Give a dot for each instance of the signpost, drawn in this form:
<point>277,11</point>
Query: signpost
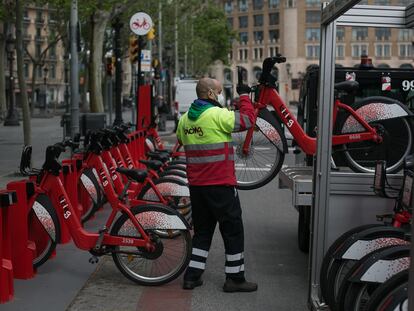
<point>140,24</point>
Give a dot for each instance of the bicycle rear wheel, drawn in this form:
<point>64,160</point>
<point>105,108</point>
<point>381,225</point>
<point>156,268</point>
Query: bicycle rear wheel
<point>264,159</point>
<point>397,143</point>
<point>172,253</point>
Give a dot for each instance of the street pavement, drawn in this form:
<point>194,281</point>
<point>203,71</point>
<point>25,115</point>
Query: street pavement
<point>69,282</point>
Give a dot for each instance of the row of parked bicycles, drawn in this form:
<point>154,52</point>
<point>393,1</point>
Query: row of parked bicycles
<point>150,241</point>
<point>367,268</point>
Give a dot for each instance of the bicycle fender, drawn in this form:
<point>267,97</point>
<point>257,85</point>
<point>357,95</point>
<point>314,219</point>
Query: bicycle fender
<point>89,181</point>
<point>170,186</point>
<point>160,217</point>
<point>366,241</point>
<point>381,265</point>
<point>270,126</point>
<point>375,110</point>
<point>46,214</point>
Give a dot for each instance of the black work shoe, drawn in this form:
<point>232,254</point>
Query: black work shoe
<point>192,284</point>
<point>231,286</point>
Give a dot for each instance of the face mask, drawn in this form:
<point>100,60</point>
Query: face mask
<point>220,99</point>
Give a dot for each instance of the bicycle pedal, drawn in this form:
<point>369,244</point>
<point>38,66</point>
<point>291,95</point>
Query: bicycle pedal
<point>93,260</point>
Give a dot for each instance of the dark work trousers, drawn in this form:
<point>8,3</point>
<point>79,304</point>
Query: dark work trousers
<point>212,204</point>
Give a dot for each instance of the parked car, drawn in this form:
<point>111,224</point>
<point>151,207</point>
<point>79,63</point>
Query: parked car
<point>185,94</point>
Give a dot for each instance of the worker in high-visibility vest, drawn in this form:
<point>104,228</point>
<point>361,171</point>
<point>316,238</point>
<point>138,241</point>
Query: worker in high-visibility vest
<point>205,132</point>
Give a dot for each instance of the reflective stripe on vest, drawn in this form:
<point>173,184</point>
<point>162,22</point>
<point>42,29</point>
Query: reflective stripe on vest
<point>237,123</point>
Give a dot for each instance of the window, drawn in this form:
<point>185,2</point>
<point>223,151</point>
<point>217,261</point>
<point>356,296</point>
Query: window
<point>38,32</point>
<point>340,33</point>
<point>243,21</point>
<point>312,51</point>
<point>381,2</point>
<point>383,50</point>
<point>359,49</point>
<point>230,55</point>
<point>273,4</point>
<point>313,2</point>
<point>26,70</point>
<point>39,73</point>
<point>258,53</point>
<point>243,7</point>
<point>228,7</point>
<point>312,34</point>
<point>52,70</point>
<point>313,16</point>
<point>273,18</point>
<point>290,3</point>
<point>230,22</point>
<point>404,2</point>
<point>38,49</point>
<point>405,50</point>
<point>52,51</point>
<point>274,35</point>
<point>257,4</point>
<point>383,33</point>
<point>25,15</point>
<point>359,33</point>
<point>258,35</point>
<point>243,37</point>
<point>39,17</point>
<point>258,20</point>
<point>273,51</point>
<point>406,35</point>
<point>340,51</point>
<point>243,54</point>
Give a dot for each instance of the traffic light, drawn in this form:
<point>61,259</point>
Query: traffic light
<point>109,66</point>
<point>151,34</point>
<point>133,49</point>
<point>157,68</point>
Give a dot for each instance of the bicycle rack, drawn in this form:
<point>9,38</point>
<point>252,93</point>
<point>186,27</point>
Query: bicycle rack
<point>8,200</point>
<point>23,250</point>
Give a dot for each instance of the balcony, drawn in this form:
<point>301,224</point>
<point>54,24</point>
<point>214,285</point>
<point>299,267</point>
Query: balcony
<point>27,37</point>
<point>26,20</point>
<point>40,21</point>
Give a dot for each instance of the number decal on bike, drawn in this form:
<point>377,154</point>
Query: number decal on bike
<point>67,214</point>
<point>127,241</point>
<point>408,85</point>
<point>286,114</point>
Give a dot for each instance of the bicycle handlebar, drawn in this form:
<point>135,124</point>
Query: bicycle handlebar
<point>239,75</point>
<point>266,77</point>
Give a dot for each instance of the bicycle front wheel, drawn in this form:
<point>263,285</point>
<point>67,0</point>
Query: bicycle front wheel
<point>166,263</point>
<point>264,159</point>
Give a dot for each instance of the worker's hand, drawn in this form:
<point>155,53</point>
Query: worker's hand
<point>243,89</point>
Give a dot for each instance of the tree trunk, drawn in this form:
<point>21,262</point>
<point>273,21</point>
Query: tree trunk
<point>22,83</point>
<point>99,21</point>
<point>3,32</point>
<point>33,85</point>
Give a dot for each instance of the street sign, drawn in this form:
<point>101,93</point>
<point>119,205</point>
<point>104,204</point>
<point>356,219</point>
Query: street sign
<point>140,23</point>
<point>146,60</point>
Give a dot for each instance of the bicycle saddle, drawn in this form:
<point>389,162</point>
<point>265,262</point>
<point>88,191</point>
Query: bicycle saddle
<point>163,157</point>
<point>134,174</point>
<point>152,164</point>
<point>347,86</point>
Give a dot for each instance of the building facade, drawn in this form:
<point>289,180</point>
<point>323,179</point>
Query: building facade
<point>292,27</point>
<point>39,34</point>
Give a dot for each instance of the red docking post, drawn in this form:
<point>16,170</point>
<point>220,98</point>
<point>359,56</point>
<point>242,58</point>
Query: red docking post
<point>8,201</point>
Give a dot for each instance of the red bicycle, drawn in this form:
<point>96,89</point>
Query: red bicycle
<point>365,132</point>
<point>141,254</point>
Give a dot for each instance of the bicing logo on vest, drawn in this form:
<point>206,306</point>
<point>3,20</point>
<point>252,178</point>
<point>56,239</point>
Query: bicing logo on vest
<point>194,130</point>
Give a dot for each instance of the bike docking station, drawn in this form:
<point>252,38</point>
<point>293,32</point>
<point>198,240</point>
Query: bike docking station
<point>336,201</point>
<point>8,201</point>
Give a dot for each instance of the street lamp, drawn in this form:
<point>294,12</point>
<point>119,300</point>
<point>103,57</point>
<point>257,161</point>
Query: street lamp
<point>45,70</point>
<point>12,118</point>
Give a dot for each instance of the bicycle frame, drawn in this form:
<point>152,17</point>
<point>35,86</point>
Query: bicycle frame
<point>53,186</point>
<point>269,96</point>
